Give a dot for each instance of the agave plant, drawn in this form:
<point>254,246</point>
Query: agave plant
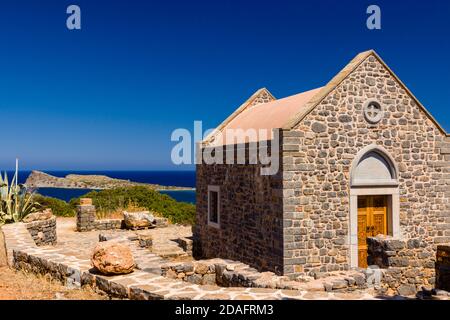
<point>15,201</point>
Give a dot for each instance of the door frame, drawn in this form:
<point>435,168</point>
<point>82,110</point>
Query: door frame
<point>393,213</point>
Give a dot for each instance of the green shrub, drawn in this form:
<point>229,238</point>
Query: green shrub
<point>59,207</point>
<point>164,205</point>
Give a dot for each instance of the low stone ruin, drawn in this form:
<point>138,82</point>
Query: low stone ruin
<point>86,219</point>
<point>228,273</point>
<point>407,265</point>
<point>42,227</point>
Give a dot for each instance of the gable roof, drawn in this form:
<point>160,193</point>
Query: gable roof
<point>341,76</point>
<point>288,112</point>
<point>270,115</point>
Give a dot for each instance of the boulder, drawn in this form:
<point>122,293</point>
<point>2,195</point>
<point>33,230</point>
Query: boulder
<point>111,258</point>
<point>38,216</point>
<point>406,290</point>
<point>138,220</point>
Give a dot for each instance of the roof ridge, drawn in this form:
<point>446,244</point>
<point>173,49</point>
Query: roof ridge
<point>278,100</point>
<point>330,86</point>
<point>244,106</point>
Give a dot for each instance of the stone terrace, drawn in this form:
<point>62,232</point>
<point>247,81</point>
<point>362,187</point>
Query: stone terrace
<point>69,262</point>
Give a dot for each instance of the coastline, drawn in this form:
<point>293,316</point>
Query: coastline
<point>39,179</point>
<point>163,188</point>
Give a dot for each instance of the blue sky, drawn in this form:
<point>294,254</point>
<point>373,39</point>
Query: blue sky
<point>109,95</point>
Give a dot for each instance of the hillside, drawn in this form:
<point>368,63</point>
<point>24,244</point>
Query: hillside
<point>39,179</point>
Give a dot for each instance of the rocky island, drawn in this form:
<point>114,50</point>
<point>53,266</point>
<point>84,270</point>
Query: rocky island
<point>39,179</point>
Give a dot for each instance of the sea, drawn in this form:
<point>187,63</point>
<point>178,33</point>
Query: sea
<point>168,178</point>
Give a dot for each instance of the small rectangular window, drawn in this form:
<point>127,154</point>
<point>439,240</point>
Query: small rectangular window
<point>214,206</point>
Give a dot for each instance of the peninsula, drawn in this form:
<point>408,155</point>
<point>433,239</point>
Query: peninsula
<point>39,179</point>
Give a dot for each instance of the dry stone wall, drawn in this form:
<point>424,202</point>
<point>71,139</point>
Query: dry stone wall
<point>43,232</point>
<point>407,264</point>
<point>86,220</point>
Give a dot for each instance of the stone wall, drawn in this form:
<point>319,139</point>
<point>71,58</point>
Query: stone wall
<point>317,157</point>
<point>228,273</point>
<point>108,224</point>
<point>43,232</point>
<point>407,264</point>
<point>86,219</point>
<point>250,215</point>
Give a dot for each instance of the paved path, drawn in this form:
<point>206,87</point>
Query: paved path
<point>69,262</point>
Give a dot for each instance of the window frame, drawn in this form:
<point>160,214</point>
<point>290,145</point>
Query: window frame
<point>213,188</point>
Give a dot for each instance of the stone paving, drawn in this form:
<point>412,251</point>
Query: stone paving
<point>69,262</point>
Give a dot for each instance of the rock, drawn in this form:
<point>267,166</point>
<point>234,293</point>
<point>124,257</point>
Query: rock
<point>194,278</point>
<point>439,292</point>
<point>145,241</point>
<point>304,279</point>
<point>209,279</point>
<point>390,292</point>
<point>38,216</point>
<point>406,290</point>
<point>394,244</point>
<point>344,118</point>
<point>161,222</point>
<point>112,258</point>
<point>339,284</point>
<point>201,268</point>
<point>360,280</point>
<point>319,275</point>
<point>171,274</point>
<point>106,237</point>
<point>315,286</point>
<point>318,127</point>
<point>138,220</point>
<point>188,267</point>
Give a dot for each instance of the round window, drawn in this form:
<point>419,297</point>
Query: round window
<point>373,112</point>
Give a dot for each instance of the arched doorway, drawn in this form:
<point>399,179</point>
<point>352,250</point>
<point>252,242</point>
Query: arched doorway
<point>374,200</point>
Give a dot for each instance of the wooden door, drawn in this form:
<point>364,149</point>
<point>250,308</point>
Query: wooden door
<point>372,221</point>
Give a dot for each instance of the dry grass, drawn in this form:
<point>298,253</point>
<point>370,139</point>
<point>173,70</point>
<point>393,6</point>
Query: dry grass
<point>19,285</point>
<point>118,213</point>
